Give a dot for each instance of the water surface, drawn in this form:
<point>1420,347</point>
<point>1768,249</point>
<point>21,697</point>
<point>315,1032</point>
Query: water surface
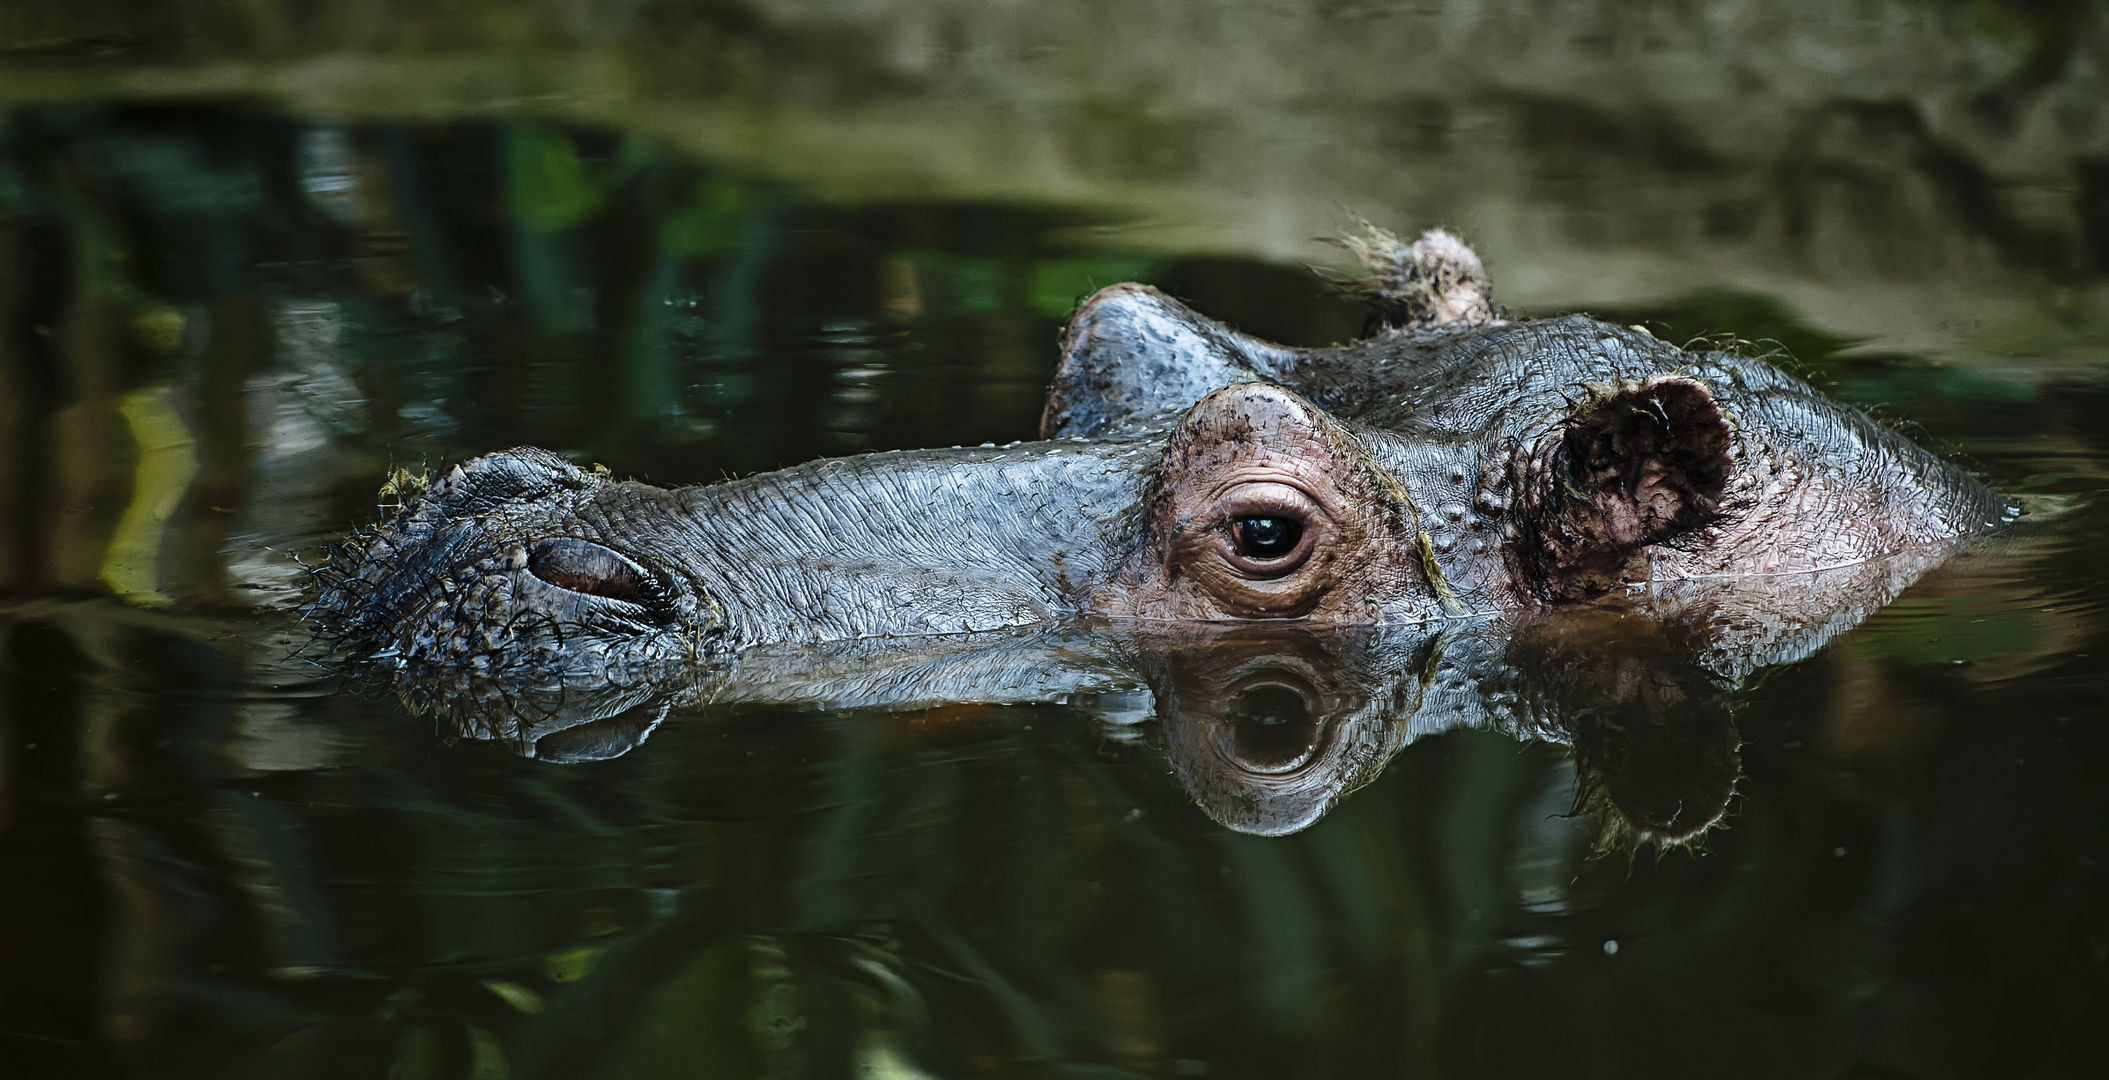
<point>225,324</point>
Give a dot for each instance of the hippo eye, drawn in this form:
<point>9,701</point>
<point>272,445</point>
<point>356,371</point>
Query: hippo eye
<point>1262,531</point>
<point>586,567</point>
<point>1265,539</point>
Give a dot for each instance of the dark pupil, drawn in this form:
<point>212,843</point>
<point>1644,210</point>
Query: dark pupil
<point>1266,537</point>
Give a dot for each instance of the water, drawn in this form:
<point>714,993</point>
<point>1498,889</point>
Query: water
<point>225,321</point>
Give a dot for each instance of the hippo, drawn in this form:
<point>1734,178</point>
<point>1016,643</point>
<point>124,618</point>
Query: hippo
<point>1268,724</point>
<point>1453,465</point>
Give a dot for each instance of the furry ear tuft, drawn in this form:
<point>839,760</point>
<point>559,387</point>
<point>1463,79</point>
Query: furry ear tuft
<point>1435,281</point>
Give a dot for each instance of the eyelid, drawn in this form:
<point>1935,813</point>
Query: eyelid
<point>1273,498</point>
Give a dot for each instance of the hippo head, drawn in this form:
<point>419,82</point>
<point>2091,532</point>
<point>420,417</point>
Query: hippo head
<point>1505,464</point>
<point>1452,464</point>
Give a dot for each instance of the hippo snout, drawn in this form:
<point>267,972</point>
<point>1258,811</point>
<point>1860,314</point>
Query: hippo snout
<point>508,580</point>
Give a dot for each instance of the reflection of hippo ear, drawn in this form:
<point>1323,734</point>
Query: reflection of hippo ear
<point>1654,733</point>
<point>599,740</point>
<point>1658,756</point>
<point>1268,753</point>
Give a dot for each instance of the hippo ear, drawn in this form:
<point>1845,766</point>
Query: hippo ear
<point>1637,465</point>
<point>1133,355</point>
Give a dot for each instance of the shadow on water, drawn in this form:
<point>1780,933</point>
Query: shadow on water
<point>1692,834</point>
<point>1267,729</point>
<point>1267,726</point>
<point>279,877</point>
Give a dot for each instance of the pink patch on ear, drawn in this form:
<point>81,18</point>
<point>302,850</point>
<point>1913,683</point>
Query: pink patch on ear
<point>1654,457</point>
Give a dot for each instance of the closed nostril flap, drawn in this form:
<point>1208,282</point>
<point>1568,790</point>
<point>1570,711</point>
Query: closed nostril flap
<point>586,567</point>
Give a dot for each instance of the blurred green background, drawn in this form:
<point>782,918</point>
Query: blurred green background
<point>254,256</point>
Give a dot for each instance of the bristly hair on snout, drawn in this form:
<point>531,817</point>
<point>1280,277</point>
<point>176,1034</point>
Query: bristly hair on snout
<point>338,631</point>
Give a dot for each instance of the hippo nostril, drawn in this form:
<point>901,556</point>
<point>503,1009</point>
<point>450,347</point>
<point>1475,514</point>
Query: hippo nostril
<point>586,567</point>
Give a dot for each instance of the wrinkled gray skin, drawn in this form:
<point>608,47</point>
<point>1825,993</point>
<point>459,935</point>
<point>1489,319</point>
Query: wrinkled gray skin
<point>1268,725</point>
<point>1453,465</point>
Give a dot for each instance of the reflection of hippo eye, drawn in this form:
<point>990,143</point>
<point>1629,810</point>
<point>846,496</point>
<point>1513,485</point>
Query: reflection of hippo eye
<point>586,567</point>
<point>1266,538</point>
<point>1273,724</point>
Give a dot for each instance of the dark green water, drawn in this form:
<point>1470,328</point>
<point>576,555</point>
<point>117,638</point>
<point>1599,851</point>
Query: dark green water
<point>221,326</point>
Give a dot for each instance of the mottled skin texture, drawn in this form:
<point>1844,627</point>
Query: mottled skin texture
<point>1449,466</point>
<point>474,589</point>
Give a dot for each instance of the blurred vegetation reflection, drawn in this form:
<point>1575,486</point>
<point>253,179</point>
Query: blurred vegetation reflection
<point>225,322</point>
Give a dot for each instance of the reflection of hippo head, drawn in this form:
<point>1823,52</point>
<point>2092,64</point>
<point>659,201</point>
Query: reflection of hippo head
<point>568,739</point>
<point>1267,730</point>
<point>1267,726</point>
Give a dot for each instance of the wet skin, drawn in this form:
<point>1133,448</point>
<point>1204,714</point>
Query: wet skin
<point>1452,465</point>
<point>1268,725</point>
